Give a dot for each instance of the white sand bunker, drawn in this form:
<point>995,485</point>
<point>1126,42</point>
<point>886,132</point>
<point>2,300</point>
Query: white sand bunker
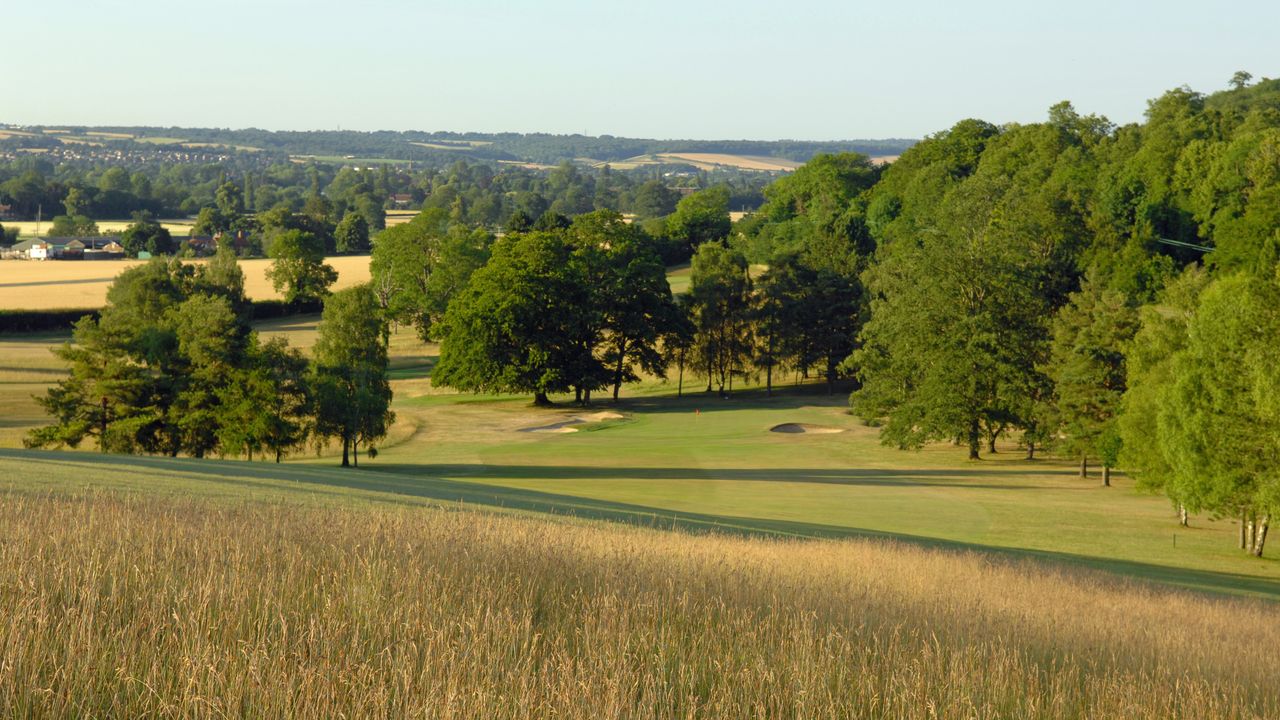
<point>567,426</point>
<point>797,428</point>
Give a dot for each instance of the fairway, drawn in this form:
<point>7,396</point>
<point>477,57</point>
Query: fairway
<point>28,284</point>
<point>704,463</point>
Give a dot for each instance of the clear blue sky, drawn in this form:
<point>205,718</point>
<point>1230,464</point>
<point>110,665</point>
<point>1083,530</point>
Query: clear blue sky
<point>803,69</point>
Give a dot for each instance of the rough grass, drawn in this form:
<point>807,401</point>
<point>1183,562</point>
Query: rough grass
<point>28,284</point>
<point>141,606</point>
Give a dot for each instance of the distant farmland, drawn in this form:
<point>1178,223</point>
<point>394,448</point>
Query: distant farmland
<point>719,161</point>
<point>27,228</point>
<point>31,285</point>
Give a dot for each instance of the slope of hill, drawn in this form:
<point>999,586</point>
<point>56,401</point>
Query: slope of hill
<point>437,147</point>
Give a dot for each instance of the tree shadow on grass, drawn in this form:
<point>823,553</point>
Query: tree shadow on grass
<point>960,478</point>
<point>393,485</point>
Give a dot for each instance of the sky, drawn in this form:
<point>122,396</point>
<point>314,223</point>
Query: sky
<point>800,69</point>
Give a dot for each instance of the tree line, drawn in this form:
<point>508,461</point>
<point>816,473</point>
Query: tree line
<point>171,366</point>
<point>1104,292</point>
<point>1100,292</point>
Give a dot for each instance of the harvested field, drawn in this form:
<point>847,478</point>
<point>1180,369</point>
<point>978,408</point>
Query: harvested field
<point>30,284</point>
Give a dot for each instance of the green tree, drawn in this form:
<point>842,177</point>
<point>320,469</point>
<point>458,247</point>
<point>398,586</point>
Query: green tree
<point>1161,336</point>
<point>654,199</point>
<point>954,336</point>
<point>630,292</point>
<point>517,326</point>
<point>1087,365</point>
<point>78,226</point>
<point>267,408</point>
<point>352,234</point>
<point>146,235</point>
<point>418,268</point>
<point>150,373</point>
<point>1219,423</point>
<point>720,298</point>
<point>298,269</point>
<point>352,393</point>
<point>230,201</point>
<point>210,221</point>
<point>211,346</point>
<point>700,218</point>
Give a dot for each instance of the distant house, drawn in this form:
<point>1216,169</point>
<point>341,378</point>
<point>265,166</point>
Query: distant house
<point>203,244</point>
<point>401,201</point>
<point>6,212</point>
<point>56,249</point>
<point>20,250</point>
<point>69,248</point>
<point>110,251</point>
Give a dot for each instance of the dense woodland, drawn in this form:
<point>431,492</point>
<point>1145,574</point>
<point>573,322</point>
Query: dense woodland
<point>1107,293</point>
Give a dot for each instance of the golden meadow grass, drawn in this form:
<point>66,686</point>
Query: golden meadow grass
<point>129,606</point>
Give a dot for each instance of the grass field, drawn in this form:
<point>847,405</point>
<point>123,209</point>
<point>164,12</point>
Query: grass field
<point>26,284</point>
<point>680,560</point>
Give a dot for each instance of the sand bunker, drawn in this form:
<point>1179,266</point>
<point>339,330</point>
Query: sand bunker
<point>567,426</point>
<point>797,428</point>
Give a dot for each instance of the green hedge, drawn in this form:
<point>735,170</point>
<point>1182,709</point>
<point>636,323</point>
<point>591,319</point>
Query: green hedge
<point>30,321</point>
<point>13,322</point>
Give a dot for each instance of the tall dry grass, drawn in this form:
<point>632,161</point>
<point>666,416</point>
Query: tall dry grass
<point>128,607</point>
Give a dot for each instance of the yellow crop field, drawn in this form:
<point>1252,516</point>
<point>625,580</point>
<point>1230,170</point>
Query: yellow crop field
<point>710,161</point>
<point>27,228</point>
<point>29,284</point>
<point>706,161</point>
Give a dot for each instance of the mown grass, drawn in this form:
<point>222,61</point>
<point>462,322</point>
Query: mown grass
<point>142,605</point>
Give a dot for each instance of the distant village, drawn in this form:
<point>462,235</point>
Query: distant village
<point>101,247</point>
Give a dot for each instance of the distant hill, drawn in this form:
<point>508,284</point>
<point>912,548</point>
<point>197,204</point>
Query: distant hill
<point>437,147</point>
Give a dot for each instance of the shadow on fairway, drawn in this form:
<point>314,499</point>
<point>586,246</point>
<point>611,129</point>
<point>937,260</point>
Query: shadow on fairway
<point>394,485</point>
<point>924,477</point>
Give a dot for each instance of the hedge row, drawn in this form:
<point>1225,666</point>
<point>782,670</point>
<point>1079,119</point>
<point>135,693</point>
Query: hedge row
<point>14,322</point>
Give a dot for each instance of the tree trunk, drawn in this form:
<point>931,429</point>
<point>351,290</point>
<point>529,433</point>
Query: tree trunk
<point>1250,533</point>
<point>346,460</point>
<point>1031,449</point>
<point>355,453</point>
<point>586,396</point>
<point>991,444</point>
<point>1243,531</point>
<point>617,372</point>
<point>973,440</point>
<point>1182,515</point>
<point>1106,475</point>
<point>768,370</point>
<point>540,399</point>
<point>1084,466</point>
<point>831,376</point>
<point>278,456</point>
<point>680,365</point>
<point>1260,535</point>
<point>577,394</point>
